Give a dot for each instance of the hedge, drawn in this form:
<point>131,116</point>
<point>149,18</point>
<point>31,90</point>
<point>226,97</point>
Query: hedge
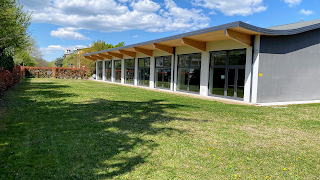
<point>57,72</point>
<point>8,79</point>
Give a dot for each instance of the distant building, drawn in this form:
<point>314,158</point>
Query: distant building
<point>68,52</point>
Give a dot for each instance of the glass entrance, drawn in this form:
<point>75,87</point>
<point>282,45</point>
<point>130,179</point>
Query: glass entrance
<point>227,73</point>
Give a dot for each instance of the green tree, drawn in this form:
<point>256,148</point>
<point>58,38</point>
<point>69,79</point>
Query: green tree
<point>14,23</point>
<point>58,61</point>
<point>72,59</point>
<point>102,45</point>
<point>23,58</point>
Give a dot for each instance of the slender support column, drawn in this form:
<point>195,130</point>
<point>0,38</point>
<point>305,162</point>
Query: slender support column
<point>248,74</point>
<point>255,70</point>
<point>122,71</point>
<point>136,71</point>
<point>175,84</point>
<point>112,71</point>
<point>97,70</point>
<point>152,67</point>
<point>103,71</point>
<point>172,72</point>
<point>204,77</point>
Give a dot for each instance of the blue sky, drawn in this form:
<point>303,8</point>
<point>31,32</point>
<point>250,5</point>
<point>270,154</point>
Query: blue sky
<point>60,24</point>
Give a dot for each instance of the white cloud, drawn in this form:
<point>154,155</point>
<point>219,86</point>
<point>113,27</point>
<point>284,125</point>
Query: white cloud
<point>68,33</point>
<point>110,16</point>
<point>292,2</point>
<point>58,49</point>
<point>306,12</point>
<point>145,6</point>
<point>136,36</point>
<point>233,7</point>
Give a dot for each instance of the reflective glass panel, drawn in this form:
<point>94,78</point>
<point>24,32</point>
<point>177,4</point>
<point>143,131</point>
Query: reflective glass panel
<point>141,62</point>
<point>183,74</point>
<point>166,78</point>
<point>237,57</point>
<point>194,83</point>
<point>231,76</point>
<point>141,76</point>
<point>183,60</point>
<point>146,76</point>
<point>195,60</point>
<point>218,58</point>
<point>147,62</point>
<point>159,62</point>
<point>158,77</point>
<point>167,61</point>
<point>240,87</point>
<point>217,80</point>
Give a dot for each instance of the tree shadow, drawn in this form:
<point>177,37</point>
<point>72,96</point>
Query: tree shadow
<point>88,140</point>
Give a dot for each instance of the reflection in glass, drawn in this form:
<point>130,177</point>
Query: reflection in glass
<point>166,78</point>
<point>217,80</point>
<point>194,82</point>
<point>240,87</point>
<point>99,70</point>
<point>189,67</point>
<point>158,77</point>
<point>183,79</point>
<point>129,71</point>
<point>231,77</point>
<point>117,71</point>
<point>163,72</point>
<point>237,57</point>
<point>108,70</point>
<point>218,58</point>
<point>183,60</point>
<point>195,60</point>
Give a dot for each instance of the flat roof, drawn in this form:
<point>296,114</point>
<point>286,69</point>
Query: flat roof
<point>237,30</point>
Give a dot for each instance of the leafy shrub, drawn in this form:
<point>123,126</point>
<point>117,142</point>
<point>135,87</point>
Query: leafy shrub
<point>18,73</point>
<point>6,80</point>
<point>57,72</point>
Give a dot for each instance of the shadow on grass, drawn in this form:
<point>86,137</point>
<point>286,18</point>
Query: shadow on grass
<point>62,140</point>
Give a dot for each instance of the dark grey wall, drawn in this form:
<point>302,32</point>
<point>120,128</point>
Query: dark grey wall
<point>291,68</point>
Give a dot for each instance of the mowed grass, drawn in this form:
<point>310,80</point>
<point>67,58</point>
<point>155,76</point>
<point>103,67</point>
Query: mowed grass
<point>79,129</point>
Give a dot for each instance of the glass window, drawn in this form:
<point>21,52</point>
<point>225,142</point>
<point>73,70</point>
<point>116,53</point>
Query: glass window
<point>189,68</point>
<point>218,58</point>
<point>99,70</point>
<point>227,73</point>
<point>108,70</point>
<point>237,57</point>
<point>117,71</point>
<point>144,71</point>
<point>163,72</point>
<point>129,73</point>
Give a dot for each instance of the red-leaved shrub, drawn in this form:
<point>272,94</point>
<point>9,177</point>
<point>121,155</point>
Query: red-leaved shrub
<point>6,80</point>
<point>57,72</point>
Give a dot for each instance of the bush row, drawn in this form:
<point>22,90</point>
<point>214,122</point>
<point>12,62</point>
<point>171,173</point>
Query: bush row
<point>57,72</point>
<point>8,79</point>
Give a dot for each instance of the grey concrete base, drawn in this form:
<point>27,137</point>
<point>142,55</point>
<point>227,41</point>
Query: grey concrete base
<point>287,103</point>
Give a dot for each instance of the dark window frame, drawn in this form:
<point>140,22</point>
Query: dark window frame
<point>115,68</point>
<point>105,69</point>
<point>227,67</point>
<point>143,68</point>
<point>162,68</point>
<point>190,66</point>
<point>130,68</point>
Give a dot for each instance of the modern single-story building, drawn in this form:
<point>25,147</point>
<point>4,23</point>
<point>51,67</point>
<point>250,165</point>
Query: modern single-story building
<point>233,61</point>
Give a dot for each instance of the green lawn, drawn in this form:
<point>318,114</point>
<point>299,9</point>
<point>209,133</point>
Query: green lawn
<point>80,129</point>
